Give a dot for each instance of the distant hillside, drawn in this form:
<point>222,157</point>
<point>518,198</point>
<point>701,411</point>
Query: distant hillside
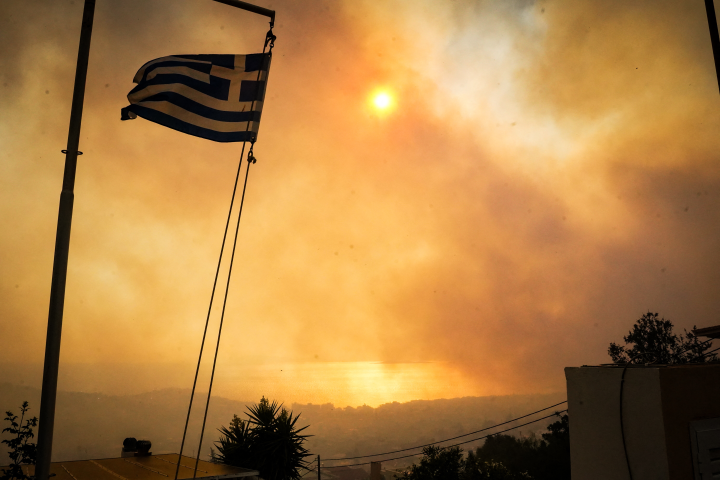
<point>394,426</point>
<point>93,425</point>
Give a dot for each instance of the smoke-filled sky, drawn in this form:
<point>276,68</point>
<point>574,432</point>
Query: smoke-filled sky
<point>547,172</point>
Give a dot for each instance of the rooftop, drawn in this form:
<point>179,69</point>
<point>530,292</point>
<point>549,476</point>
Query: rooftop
<point>150,467</point>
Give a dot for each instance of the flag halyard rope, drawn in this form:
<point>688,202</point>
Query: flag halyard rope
<point>269,41</point>
<point>207,321</point>
<point>222,317</point>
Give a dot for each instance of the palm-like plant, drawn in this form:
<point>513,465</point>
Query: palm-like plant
<point>235,445</point>
<point>268,442</point>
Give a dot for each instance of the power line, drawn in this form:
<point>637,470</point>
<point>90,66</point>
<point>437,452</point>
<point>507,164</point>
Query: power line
<point>448,439</point>
<point>705,354</point>
<point>393,471</point>
<point>477,431</point>
<point>454,445</point>
<point>639,354</point>
<point>307,473</point>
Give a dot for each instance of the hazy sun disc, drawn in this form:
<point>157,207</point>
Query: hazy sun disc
<point>382,100</point>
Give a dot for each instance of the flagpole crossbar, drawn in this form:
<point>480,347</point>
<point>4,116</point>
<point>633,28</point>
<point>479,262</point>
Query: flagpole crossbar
<point>65,152</point>
<point>251,8</point>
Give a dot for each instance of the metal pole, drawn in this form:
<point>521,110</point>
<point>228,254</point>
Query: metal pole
<point>318,461</point>
<point>714,36</point>
<point>62,245</point>
<point>251,8</point>
<point>375,470</point>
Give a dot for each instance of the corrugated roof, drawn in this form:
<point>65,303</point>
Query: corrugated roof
<point>152,467</point>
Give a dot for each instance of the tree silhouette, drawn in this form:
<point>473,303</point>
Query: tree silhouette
<point>437,463</point>
<point>22,452</point>
<point>267,441</point>
<point>652,341</point>
<point>440,463</point>
<point>502,457</point>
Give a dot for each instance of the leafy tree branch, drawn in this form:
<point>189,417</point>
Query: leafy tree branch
<point>22,452</point>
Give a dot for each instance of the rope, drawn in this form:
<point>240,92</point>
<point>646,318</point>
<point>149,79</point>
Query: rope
<point>454,445</point>
<point>207,320</point>
<point>222,318</point>
<point>269,40</point>
<point>453,438</point>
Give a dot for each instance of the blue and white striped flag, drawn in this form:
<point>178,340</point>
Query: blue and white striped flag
<point>217,97</point>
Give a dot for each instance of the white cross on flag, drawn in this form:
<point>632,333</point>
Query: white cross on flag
<point>217,97</point>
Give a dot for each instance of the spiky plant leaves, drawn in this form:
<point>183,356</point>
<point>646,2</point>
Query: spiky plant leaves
<point>268,441</point>
<point>284,446</point>
<point>235,444</point>
<point>264,413</point>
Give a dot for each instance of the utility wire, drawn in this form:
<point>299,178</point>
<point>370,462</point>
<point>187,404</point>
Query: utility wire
<point>683,350</point>
<point>309,470</point>
<point>307,473</point>
<point>453,438</point>
<point>645,354</point>
<point>454,445</point>
<point>393,471</point>
<point>705,354</point>
<point>481,430</point>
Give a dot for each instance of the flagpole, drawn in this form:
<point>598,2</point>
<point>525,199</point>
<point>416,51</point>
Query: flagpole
<point>714,36</point>
<point>62,245</point>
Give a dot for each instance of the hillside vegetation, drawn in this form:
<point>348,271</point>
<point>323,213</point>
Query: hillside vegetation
<point>92,425</point>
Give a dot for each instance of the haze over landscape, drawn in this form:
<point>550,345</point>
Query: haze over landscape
<point>545,173</point>
<point>93,425</point>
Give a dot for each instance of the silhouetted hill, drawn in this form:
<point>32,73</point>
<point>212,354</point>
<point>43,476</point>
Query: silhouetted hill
<point>394,426</point>
<point>92,425</point>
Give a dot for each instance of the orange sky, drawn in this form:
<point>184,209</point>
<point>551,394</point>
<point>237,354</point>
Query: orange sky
<point>547,173</point>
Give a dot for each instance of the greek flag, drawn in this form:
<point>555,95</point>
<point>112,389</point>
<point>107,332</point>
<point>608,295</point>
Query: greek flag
<point>217,97</point>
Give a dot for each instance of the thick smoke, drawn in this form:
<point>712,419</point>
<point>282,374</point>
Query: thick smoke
<point>548,174</point>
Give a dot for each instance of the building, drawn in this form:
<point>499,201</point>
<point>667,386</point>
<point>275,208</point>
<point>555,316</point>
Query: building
<point>658,422</point>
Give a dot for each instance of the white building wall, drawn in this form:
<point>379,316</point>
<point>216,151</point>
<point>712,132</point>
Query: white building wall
<point>596,445</point>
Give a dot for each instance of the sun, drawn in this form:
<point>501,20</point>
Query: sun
<point>382,100</point>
